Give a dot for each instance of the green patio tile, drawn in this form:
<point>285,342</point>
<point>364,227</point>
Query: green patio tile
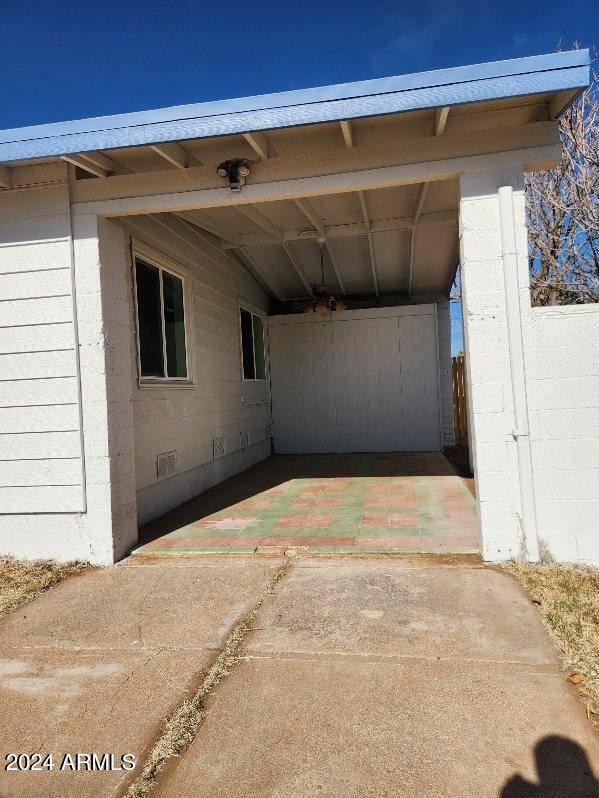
<point>344,530</point>
<point>405,531</point>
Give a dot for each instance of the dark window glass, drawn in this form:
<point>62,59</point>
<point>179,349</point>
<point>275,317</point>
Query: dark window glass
<point>258,347</point>
<point>149,321</point>
<point>247,345</point>
<point>174,325</point>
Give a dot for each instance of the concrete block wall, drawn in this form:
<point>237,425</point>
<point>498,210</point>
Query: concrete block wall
<point>561,348</point>
<point>562,372</point>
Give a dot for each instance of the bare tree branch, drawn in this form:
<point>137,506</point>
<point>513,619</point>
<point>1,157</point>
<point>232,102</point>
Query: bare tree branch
<point>562,207</point>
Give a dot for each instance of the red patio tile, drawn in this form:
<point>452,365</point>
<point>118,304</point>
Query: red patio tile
<point>297,519</point>
<point>319,520</point>
<point>388,502</point>
<point>374,519</point>
<point>255,504</point>
<point>314,540</point>
<point>316,502</point>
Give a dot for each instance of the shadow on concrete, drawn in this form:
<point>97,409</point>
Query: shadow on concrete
<point>563,769</point>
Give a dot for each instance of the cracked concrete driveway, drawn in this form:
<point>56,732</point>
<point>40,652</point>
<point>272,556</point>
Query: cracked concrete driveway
<point>359,677</point>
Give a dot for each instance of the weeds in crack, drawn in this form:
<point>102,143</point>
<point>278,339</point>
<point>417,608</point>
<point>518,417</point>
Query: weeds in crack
<point>183,725</point>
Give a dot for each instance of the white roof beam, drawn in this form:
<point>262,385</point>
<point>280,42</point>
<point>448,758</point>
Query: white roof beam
<point>439,127</point>
<point>336,171</point>
<point>300,272</point>
<point>362,198</point>
<point>261,220</point>
<point>347,133</point>
<point>311,215</point>
<point>348,230</point>
<point>87,165</point>
<point>217,229</point>
<point>559,102</point>
<point>260,144</point>
<point>422,192</point>
<point>4,176</point>
<point>172,152</point>
<point>441,115</point>
<point>254,215</point>
<point>307,209</point>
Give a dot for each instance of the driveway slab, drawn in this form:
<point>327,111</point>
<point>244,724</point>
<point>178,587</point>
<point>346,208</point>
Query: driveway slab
<point>96,664</point>
<point>392,608</point>
<point>384,678</point>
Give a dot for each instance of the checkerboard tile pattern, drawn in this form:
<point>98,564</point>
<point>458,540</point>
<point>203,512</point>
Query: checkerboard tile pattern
<point>388,502</point>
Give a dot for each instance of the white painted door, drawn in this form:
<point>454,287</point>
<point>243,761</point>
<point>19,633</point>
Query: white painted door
<point>361,381</point>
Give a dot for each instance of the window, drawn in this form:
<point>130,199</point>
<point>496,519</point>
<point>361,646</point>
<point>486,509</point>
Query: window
<point>160,322</point>
<point>252,345</point>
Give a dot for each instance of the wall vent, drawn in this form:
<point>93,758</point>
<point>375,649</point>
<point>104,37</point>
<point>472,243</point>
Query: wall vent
<point>244,438</point>
<point>218,447</point>
<point>167,465</point>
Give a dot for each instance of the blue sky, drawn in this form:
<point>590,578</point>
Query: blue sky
<point>65,59</point>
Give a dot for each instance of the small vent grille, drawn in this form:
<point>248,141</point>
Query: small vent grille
<point>268,431</point>
<point>218,447</point>
<point>244,438</point>
<point>167,465</point>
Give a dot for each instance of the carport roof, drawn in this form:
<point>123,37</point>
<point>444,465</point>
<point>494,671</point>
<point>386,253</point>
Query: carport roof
<point>558,72</point>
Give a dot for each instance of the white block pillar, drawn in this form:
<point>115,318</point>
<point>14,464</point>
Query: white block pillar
<point>105,353</point>
<point>492,256</point>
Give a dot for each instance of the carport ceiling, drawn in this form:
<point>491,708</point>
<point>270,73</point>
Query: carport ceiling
<point>392,241</point>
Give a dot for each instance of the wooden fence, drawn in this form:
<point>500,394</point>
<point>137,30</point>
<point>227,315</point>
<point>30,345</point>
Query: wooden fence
<point>460,421</point>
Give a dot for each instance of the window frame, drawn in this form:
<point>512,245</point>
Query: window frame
<point>254,311</point>
<point>141,251</point>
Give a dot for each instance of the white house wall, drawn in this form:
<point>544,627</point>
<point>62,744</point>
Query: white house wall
<point>55,502</point>
<point>40,445</point>
<point>187,419</point>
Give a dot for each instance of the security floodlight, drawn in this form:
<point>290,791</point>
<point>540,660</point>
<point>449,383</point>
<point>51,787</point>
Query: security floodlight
<point>236,169</point>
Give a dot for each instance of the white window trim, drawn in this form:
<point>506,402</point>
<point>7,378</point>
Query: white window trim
<point>162,262</point>
<point>255,312</point>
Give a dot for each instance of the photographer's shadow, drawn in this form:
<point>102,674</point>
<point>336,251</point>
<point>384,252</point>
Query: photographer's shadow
<point>564,771</point>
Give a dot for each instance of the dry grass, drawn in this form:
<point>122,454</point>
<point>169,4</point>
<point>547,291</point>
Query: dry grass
<point>569,602</point>
<point>22,581</point>
<point>183,725</point>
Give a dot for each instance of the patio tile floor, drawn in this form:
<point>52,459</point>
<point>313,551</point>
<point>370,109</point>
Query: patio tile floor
<point>363,502</point>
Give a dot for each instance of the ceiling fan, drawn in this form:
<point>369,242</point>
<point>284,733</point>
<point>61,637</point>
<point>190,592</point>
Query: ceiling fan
<point>323,300</point>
